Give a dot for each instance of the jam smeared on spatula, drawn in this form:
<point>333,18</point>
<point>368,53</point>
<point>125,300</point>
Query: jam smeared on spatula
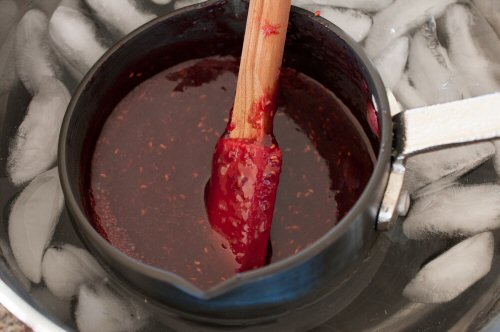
<point>242,195</point>
<point>247,160</point>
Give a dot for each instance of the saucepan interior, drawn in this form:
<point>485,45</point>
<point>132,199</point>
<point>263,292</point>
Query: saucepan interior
<point>314,47</point>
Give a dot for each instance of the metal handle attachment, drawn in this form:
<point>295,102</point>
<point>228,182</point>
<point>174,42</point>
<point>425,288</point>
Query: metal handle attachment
<point>429,128</point>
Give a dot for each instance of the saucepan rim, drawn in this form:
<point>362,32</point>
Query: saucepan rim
<point>380,171</point>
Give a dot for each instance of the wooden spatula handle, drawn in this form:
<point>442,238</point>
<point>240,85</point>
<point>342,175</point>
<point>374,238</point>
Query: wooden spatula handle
<point>261,60</point>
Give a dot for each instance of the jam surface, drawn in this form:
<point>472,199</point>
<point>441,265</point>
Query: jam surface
<point>153,158</point>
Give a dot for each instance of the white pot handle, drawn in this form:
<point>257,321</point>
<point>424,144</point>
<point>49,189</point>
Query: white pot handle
<point>428,128</point>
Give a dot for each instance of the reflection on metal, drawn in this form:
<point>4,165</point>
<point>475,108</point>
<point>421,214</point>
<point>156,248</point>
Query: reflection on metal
<point>411,312</point>
<point>25,310</point>
<point>388,210</point>
<point>404,203</point>
<point>483,306</point>
<point>423,129</point>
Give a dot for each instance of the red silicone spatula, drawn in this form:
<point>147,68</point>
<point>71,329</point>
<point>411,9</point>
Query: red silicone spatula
<point>247,160</point>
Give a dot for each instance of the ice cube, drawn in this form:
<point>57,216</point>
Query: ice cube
<point>496,160</point>
<point>101,308</point>
<point>449,275</point>
<point>75,39</point>
<point>7,62</point>
<point>34,61</point>
<point>355,23</point>
<point>366,5</point>
<point>486,40</point>
<point>61,309</point>
<point>161,2</point>
<point>451,163</point>
<point>34,148</point>
<point>121,16</point>
<point>483,34</point>
<point>32,221</point>
<point>490,9</point>
<point>9,14</point>
<point>434,187</point>
<point>65,268</point>
<point>399,18</point>
<point>394,105</point>
<point>407,95</point>
<point>392,62</point>
<point>455,211</point>
<point>479,73</point>
<point>429,67</point>
<point>184,3</point>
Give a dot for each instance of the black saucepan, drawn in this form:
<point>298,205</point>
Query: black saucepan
<point>314,47</point>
